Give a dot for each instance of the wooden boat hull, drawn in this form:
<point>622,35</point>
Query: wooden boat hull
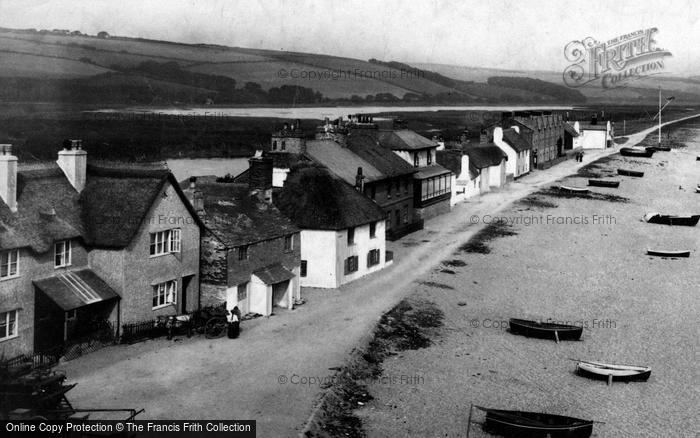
<point>688,221</point>
<point>660,148</point>
<point>630,173</point>
<point>618,373</point>
<point>535,425</point>
<point>573,189</point>
<point>603,183</point>
<point>534,329</point>
<point>662,253</point>
<point>641,153</point>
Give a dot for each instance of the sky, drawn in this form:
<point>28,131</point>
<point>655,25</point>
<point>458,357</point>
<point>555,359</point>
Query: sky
<point>499,33</point>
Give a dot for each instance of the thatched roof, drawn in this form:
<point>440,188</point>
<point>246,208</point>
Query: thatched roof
<point>315,199</point>
<point>515,140</point>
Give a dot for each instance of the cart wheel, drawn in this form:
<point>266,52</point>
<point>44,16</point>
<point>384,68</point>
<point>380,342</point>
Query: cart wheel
<point>215,328</point>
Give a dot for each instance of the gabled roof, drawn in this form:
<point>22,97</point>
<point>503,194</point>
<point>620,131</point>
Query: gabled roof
<point>570,129</point>
<point>315,199</point>
<point>341,161</point>
<point>452,160</point>
<point>365,145</point>
<point>515,140</point>
<point>108,212</point>
<point>235,216</point>
<point>487,155</point>
<point>404,140</point>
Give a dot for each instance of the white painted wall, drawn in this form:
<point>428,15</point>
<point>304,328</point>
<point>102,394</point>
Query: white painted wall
<point>259,296</point>
<point>279,176</point>
<point>463,187</point>
<point>518,163</point>
<point>325,253</point>
<point>497,175</point>
<point>408,156</point>
<point>318,248</point>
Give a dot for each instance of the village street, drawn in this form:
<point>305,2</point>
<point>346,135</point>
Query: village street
<point>259,376</point>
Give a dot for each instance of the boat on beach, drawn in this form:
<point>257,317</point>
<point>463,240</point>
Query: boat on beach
<point>534,424</point>
<point>660,148</point>
<point>626,172</point>
<point>603,183</point>
<point>666,219</point>
<point>545,330</point>
<point>637,152</point>
<point>668,253</point>
<point>612,372</point>
<point>573,189</point>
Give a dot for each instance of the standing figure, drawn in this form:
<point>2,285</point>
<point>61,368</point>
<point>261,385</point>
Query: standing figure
<point>234,323</point>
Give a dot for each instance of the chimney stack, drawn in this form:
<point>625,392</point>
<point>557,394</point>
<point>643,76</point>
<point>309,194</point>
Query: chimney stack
<point>260,182</point>
<point>8,176</point>
<point>73,161</point>
<point>360,180</point>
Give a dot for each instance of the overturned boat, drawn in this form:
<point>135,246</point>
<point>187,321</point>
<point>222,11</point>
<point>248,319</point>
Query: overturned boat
<point>545,330</point>
<point>626,172</point>
<point>534,424</point>
<point>613,372</point>
<point>668,253</point>
<point>637,152</point>
<point>603,183</point>
<point>667,219</point>
<point>570,189</point>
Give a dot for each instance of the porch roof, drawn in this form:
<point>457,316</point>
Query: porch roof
<point>73,289</point>
<point>274,274</point>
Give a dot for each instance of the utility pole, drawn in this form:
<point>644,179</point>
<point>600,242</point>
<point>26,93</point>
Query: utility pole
<point>659,115</point>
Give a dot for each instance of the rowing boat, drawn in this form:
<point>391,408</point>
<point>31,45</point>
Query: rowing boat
<point>626,172</point>
<point>612,372</point>
<point>666,253</point>
<point>660,148</point>
<point>534,424</point>
<point>637,152</point>
<point>666,219</point>
<point>573,189</point>
<point>545,330</point>
<point>603,183</point>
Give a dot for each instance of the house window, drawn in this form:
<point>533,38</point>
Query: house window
<point>62,254</point>
<point>430,158</point>
<point>405,214</point>
<point>164,294</point>
<point>397,217</point>
<point>372,230</point>
<point>243,252</point>
<point>435,186</point>
<point>284,146</point>
<point>8,325</point>
<point>416,160</point>
<point>351,236</point>
<point>289,242</point>
<point>351,264</point>
<point>302,270</point>
<point>373,257</point>
<point>242,291</point>
<point>165,242</point>
<point>9,264</point>
<point>388,190</point>
<point>274,145</point>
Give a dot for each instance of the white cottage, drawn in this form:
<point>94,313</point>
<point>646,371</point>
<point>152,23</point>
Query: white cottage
<point>594,134</point>
<point>466,179</point>
<point>343,232</point>
<point>490,160</point>
<point>516,147</point>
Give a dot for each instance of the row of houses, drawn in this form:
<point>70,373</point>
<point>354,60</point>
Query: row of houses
<point>84,243</point>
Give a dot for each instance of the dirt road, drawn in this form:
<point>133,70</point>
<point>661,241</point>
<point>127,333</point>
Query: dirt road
<point>265,374</point>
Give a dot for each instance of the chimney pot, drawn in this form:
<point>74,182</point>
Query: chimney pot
<point>73,162</point>
<point>193,182</point>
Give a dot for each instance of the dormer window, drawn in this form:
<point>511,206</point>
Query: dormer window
<point>274,145</point>
<point>62,254</point>
<point>416,160</point>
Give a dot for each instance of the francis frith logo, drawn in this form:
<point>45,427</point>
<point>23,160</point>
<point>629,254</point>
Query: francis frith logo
<point>615,62</point>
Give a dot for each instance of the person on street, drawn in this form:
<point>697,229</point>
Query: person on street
<point>234,323</point>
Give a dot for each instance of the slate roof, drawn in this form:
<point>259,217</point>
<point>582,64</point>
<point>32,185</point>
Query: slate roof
<point>404,140</point>
<point>235,217</point>
<point>315,199</point>
<point>365,145</point>
<point>273,274</point>
<point>483,156</point>
<point>107,213</point>
<point>341,161</point>
<point>570,129</point>
<point>515,140</point>
<point>280,160</point>
<point>452,160</point>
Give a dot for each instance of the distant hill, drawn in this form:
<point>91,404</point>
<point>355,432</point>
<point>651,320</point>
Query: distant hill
<point>73,67</point>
